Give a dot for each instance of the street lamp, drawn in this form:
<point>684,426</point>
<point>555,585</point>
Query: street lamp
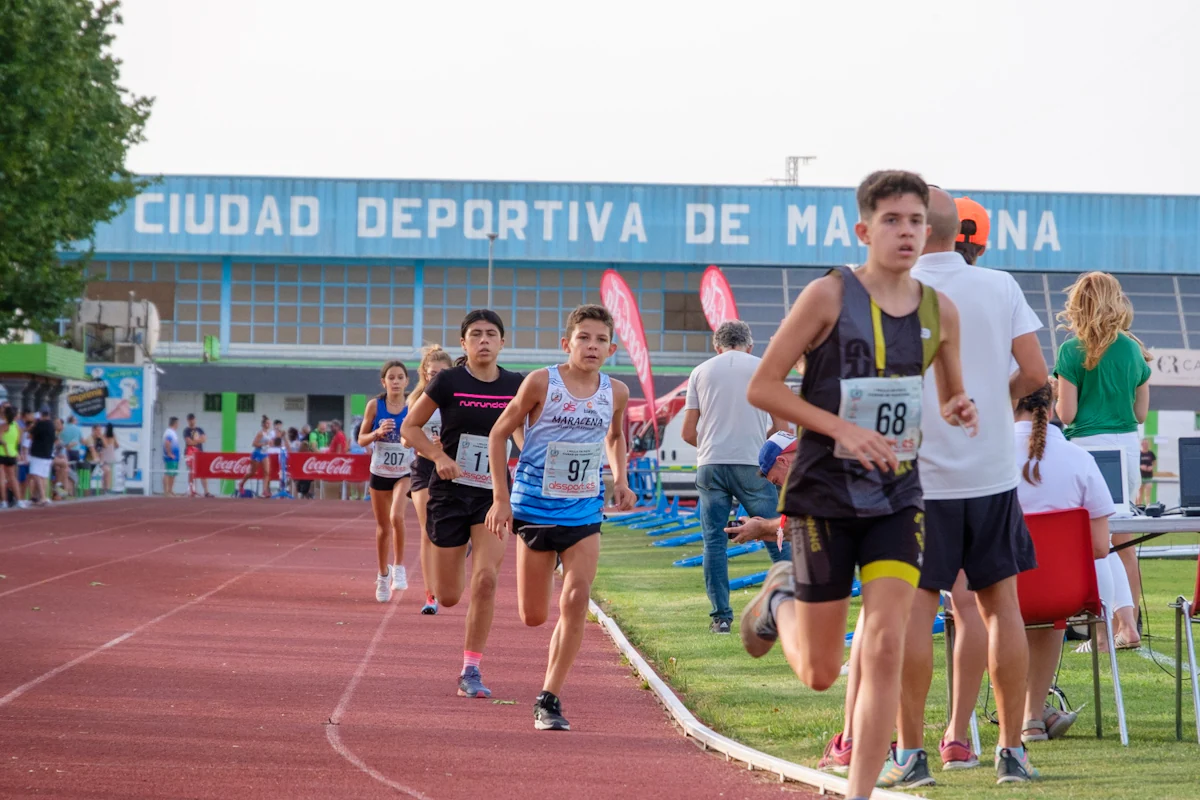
<point>491,242</point>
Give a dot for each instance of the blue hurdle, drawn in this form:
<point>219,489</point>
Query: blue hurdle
<point>733,552</point>
<point>745,581</point>
<point>677,541</point>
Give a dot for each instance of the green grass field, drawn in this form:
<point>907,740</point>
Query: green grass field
<point>664,612</point>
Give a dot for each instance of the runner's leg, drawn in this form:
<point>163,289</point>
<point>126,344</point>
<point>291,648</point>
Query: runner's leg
<point>970,660</point>
<point>579,571</point>
<point>487,554</point>
<point>398,506</point>
<point>535,583</point>
<point>917,671</point>
<point>381,505</point>
<point>420,499</point>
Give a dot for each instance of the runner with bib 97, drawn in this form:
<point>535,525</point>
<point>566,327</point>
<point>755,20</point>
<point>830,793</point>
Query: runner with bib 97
<point>570,415</point>
<point>853,497</point>
<point>391,465</point>
<point>471,398</point>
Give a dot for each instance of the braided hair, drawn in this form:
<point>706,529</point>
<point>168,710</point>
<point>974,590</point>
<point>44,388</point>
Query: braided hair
<point>1038,404</point>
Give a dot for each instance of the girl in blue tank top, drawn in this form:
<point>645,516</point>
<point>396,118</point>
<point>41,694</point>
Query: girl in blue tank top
<point>390,463</point>
<point>571,414</point>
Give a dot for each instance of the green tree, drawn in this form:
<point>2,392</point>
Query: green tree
<point>65,127</point>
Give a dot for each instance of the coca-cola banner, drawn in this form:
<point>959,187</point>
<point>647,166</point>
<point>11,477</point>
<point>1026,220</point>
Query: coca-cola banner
<point>329,467</point>
<point>621,303</point>
<point>233,466</point>
<point>716,297</point>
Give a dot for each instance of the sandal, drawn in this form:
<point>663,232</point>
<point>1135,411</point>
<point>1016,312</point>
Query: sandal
<point>1056,722</point>
<point>1039,731</point>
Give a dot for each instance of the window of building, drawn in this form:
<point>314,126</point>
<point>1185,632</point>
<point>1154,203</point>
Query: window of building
<point>245,403</point>
<point>682,311</point>
<point>212,402</point>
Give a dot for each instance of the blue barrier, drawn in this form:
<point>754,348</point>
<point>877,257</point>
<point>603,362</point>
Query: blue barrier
<point>682,525</point>
<point>747,580</point>
<point>733,552</point>
<point>677,541</point>
<point>659,509</point>
<point>939,626</point>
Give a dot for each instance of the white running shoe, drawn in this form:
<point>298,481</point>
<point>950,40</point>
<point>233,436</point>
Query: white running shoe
<point>399,578</point>
<point>383,588</point>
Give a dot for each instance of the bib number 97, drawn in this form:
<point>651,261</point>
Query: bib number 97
<point>889,419</point>
<point>577,469</point>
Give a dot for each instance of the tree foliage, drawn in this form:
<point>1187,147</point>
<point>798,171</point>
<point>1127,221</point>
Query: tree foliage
<point>65,127</point>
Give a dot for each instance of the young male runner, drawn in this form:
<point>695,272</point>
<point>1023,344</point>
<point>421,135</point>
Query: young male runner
<point>571,414</point>
<point>853,497</point>
<point>471,398</point>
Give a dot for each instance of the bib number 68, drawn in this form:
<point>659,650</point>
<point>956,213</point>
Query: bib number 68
<point>889,419</point>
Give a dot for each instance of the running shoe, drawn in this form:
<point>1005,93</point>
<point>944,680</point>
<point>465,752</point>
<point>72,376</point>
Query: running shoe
<point>470,684</point>
<point>1010,769</point>
<point>837,756</point>
<point>399,578</point>
<point>912,774</point>
<point>720,626</point>
<point>431,605</point>
<point>758,624</point>
<point>383,588</point>
<point>547,713</point>
<point>957,755</point>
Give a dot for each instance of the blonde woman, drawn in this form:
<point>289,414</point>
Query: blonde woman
<point>433,360</point>
<point>1103,383</point>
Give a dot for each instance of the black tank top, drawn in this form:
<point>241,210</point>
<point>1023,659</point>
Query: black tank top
<point>865,343</point>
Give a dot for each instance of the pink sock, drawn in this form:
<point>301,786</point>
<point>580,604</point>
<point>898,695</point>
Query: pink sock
<point>471,659</point>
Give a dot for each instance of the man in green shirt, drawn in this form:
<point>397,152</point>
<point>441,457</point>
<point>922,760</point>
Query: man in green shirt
<point>319,438</point>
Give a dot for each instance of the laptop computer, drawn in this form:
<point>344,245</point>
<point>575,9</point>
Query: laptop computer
<point>1189,476</point>
<point>1113,465</point>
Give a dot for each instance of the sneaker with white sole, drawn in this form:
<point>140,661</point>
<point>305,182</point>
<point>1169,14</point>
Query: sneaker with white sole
<point>758,625</point>
<point>399,578</point>
<point>383,587</point>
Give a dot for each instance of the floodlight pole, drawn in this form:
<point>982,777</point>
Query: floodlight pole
<point>491,242</point>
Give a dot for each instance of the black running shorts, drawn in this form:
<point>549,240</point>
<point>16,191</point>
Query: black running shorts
<point>422,471</point>
<point>825,552</point>
<point>985,537</point>
<point>451,512</point>
<point>382,484</point>
<point>556,538</point>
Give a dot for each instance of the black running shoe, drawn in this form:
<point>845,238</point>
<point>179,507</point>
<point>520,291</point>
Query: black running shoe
<point>547,714</point>
<point>1010,769</point>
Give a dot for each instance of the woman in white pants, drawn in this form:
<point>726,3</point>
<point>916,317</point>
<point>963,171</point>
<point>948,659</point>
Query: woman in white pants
<point>1103,383</point>
<point>1059,475</point>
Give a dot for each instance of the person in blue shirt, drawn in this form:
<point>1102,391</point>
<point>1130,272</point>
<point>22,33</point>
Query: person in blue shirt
<point>570,414</point>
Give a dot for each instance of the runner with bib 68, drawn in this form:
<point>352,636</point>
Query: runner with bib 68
<point>853,496</point>
<point>570,414</point>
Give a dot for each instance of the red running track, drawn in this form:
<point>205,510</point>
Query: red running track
<point>158,648</point>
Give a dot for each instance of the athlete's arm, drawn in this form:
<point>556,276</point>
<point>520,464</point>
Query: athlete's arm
<point>808,323</point>
<point>529,397</point>
<point>412,432</point>
<point>691,420</point>
<point>618,452</point>
<point>365,433</point>
<point>1068,400</point>
<point>1031,367</point>
<point>957,408</point>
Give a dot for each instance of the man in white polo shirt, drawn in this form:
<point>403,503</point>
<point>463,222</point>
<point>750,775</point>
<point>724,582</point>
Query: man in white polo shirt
<point>973,521</point>
<point>728,433</point>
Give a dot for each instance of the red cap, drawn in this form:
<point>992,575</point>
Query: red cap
<point>969,210</point>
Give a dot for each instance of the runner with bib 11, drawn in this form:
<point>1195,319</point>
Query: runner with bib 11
<point>470,396</point>
<point>391,463</point>
<point>571,414</point>
<point>853,496</point>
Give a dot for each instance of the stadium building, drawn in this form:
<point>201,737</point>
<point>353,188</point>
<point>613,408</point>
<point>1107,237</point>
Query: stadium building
<point>281,296</point>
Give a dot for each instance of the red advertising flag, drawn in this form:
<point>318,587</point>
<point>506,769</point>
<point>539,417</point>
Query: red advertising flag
<point>329,467</point>
<point>621,303</point>
<point>716,297</point>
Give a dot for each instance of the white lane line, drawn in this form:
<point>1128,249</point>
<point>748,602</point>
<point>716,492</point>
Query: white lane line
<point>51,539</point>
<point>138,555</point>
<point>25,687</point>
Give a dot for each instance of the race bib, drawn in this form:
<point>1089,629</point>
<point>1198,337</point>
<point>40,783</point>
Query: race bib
<point>432,429</point>
<point>472,459</point>
<point>889,406</point>
<point>572,470</point>
<point>390,460</point>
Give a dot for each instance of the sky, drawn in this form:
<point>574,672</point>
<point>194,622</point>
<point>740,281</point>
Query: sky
<point>1097,96</point>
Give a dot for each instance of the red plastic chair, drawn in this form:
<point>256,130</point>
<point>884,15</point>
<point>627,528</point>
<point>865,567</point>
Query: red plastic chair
<point>1062,591</point>
<point>1186,615</point>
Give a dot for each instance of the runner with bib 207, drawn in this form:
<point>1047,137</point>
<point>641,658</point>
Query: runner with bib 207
<point>853,497</point>
<point>471,398</point>
<point>391,466</point>
<point>571,414</point>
